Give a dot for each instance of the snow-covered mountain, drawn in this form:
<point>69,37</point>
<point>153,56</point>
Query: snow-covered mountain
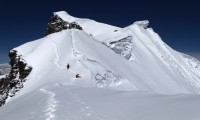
<point>4,69</point>
<point>132,65</point>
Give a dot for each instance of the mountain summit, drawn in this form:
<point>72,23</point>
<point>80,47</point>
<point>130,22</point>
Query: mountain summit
<point>78,56</point>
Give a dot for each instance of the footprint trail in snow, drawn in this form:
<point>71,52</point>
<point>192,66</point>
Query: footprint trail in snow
<point>51,104</point>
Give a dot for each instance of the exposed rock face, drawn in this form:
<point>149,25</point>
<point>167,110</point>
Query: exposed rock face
<point>14,81</point>
<point>56,24</point>
<point>107,79</point>
<point>123,47</point>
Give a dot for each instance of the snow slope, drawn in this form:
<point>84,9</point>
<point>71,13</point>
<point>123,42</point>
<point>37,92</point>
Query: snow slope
<point>142,77</point>
<point>61,102</point>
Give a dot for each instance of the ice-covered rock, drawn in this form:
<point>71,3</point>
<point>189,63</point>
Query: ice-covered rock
<point>123,47</point>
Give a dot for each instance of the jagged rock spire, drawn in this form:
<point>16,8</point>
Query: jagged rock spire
<point>56,24</point>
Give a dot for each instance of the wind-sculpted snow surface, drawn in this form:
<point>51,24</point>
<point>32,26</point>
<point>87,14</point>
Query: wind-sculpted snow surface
<point>66,102</point>
<point>51,104</point>
<point>141,78</point>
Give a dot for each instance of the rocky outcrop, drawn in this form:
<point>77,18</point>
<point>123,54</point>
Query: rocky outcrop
<point>56,24</point>
<point>14,81</point>
<point>123,47</point>
<point>107,79</point>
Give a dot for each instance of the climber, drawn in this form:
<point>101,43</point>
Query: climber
<point>68,66</point>
<point>78,76</point>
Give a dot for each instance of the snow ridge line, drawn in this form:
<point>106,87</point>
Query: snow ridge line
<point>73,46</point>
<point>51,104</point>
<point>170,60</point>
<point>75,53</point>
<point>84,57</point>
<point>57,54</point>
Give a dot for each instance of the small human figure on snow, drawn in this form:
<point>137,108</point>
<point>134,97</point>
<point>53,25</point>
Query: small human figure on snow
<point>68,66</point>
<point>78,76</point>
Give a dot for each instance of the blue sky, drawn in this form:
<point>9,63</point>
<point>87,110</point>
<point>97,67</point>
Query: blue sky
<point>177,22</point>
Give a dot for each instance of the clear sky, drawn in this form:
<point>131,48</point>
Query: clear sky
<point>177,22</point>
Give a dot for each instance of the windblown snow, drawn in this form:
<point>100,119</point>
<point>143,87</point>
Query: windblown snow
<point>125,74</point>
